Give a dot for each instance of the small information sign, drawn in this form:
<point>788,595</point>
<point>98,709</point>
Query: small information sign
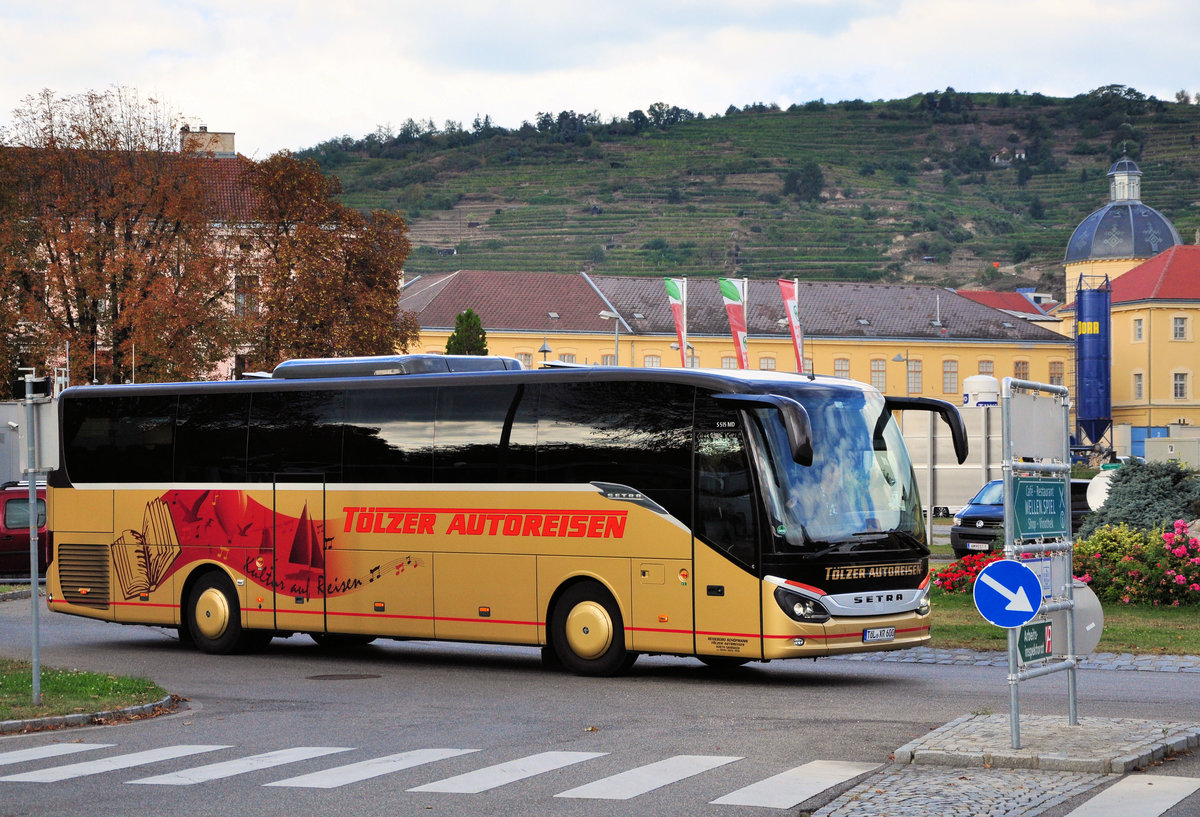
<point>1040,508</point>
<point>1034,643</point>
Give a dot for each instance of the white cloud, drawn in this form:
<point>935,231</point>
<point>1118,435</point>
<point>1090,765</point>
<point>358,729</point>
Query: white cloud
<point>289,75</point>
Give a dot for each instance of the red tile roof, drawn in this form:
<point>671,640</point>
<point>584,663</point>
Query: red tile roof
<point>1016,302</point>
<point>1171,275</point>
<point>514,301</point>
<point>521,301</point>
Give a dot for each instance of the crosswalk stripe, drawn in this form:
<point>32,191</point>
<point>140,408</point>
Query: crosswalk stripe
<point>109,764</point>
<point>499,775</point>
<point>376,767</point>
<point>49,750</point>
<point>637,781</point>
<point>796,785</point>
<point>243,765</point>
<point>1142,796</point>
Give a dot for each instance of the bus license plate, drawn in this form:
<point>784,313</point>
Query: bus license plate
<point>878,634</point>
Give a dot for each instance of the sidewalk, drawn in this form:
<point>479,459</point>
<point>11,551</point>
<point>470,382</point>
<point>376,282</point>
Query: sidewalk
<point>968,767</point>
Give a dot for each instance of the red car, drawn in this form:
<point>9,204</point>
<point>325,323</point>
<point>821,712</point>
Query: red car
<point>14,530</point>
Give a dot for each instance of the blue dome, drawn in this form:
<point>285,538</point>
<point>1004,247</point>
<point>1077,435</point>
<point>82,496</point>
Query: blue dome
<point>1122,229</point>
<point>1125,165</point>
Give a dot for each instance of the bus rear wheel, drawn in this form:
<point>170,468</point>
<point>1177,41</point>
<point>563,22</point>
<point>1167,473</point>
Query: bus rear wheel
<point>588,632</point>
<point>215,618</point>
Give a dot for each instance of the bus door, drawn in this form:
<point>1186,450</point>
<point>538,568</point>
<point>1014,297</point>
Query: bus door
<point>300,541</point>
<point>726,589</point>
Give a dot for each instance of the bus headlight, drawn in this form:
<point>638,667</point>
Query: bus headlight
<point>800,608</point>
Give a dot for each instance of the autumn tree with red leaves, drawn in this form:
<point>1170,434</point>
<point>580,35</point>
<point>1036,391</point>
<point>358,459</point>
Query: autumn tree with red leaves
<point>119,253</point>
<point>156,261</point>
<point>326,278</point>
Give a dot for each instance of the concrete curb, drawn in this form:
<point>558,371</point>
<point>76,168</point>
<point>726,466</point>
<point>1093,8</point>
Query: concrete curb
<point>166,705</point>
<point>1096,745</point>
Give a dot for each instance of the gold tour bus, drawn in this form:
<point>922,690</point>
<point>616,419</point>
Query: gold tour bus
<point>596,512</point>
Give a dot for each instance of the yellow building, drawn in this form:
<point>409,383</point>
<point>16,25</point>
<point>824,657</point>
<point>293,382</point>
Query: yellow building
<point>903,339</point>
<point>1155,352</point>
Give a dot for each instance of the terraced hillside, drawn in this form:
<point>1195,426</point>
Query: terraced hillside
<point>910,191</point>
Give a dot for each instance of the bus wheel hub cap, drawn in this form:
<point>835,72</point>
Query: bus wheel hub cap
<point>212,613</point>
<point>589,630</point>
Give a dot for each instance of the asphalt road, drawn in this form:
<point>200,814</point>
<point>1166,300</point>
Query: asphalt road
<point>497,706</point>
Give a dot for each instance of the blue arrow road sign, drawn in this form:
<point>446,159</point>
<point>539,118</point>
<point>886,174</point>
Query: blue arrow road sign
<point>1007,593</point>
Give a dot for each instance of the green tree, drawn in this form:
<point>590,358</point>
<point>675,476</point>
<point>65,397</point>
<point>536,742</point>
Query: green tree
<point>806,182</point>
<point>1147,496</point>
<point>468,337</point>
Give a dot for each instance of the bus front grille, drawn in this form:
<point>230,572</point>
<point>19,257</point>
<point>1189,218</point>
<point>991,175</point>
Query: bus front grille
<point>83,573</point>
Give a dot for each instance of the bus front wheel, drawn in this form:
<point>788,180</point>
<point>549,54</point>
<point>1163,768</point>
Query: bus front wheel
<point>214,615</point>
<point>588,631</point>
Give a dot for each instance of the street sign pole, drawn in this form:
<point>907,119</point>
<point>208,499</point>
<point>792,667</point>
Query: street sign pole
<point>1037,518</point>
<point>31,475</point>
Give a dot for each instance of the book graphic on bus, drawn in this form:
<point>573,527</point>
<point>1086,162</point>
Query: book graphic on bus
<point>142,559</point>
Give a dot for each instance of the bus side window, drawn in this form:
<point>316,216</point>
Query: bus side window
<point>389,435</point>
<point>119,439</point>
<point>628,433</point>
<point>724,492</point>
<point>295,432</point>
<point>210,438</point>
<point>483,434</point>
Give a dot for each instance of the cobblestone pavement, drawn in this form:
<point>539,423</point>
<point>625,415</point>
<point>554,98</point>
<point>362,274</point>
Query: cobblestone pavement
<point>1100,660</point>
<point>900,790</point>
<point>968,767</point>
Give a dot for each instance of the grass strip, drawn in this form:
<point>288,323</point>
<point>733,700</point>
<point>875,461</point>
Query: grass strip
<point>66,692</point>
<point>1131,629</point>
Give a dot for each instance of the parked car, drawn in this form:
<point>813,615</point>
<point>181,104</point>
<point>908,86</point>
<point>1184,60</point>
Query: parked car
<point>14,529</point>
<point>979,527</point>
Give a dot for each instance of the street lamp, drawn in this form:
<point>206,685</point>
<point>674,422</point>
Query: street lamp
<point>545,350</point>
<point>616,319</point>
<point>903,358</point>
<point>691,355</point>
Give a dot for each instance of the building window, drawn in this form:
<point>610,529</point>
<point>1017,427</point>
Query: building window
<point>987,367</point>
<point>526,359</point>
<point>879,374</point>
<point>1056,373</point>
<point>567,357</point>
<point>1180,386</point>
<point>1021,369</point>
<point>949,377</point>
<point>1138,386</point>
<point>651,361</point>
<point>1179,328</point>
<point>841,366</point>
<point>914,377</point>
<point>729,362</point>
<point>808,365</point>
<point>1138,329</point>
<point>245,295</point>
<point>608,360</point>
<point>766,363</point>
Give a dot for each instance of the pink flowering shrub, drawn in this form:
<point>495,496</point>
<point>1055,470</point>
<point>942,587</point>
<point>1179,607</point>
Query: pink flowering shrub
<point>1130,566</point>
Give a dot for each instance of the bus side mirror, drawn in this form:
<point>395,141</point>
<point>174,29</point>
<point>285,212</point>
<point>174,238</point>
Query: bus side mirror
<point>794,416</point>
<point>948,411</point>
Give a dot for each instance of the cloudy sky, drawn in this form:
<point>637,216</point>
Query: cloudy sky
<point>288,75</point>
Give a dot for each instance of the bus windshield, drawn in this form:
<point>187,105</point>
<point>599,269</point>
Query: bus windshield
<point>860,488</point>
